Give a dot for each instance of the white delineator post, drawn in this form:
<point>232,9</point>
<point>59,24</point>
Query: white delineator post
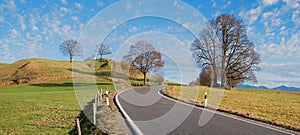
<point>101,94</point>
<point>94,113</point>
<point>95,98</point>
<point>205,99</point>
<point>107,101</point>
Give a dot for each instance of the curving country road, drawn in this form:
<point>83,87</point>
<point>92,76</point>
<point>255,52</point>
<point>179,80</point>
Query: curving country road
<point>152,113</point>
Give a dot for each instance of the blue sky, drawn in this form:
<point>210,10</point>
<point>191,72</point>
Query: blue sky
<point>36,28</point>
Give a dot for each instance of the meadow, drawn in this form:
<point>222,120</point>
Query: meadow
<point>279,108</point>
<point>34,108</point>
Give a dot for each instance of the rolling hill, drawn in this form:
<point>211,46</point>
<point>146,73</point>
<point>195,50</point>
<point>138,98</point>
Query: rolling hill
<point>35,70</point>
<point>2,64</point>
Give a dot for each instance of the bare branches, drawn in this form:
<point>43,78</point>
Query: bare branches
<point>103,49</point>
<point>70,48</point>
<point>226,38</point>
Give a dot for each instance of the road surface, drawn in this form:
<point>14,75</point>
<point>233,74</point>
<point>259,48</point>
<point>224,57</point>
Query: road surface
<point>153,113</point>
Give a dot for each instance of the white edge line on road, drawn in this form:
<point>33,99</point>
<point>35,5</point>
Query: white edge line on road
<point>134,127</point>
<point>160,93</point>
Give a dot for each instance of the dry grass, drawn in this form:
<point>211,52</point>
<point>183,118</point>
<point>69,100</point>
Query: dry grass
<point>38,70</point>
<point>275,107</point>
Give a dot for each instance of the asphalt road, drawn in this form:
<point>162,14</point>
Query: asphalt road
<point>155,114</point>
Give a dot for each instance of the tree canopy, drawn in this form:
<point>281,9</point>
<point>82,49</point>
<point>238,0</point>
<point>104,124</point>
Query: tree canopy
<point>144,57</point>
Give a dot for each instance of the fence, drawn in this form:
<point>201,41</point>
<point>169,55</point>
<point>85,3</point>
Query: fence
<point>97,98</point>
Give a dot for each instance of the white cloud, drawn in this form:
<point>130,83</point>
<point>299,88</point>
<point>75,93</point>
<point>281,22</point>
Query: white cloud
<point>266,15</point>
<point>292,3</point>
<point>269,2</point>
<point>296,17</point>
<point>9,5</point>
<point>112,21</point>
<point>128,6</point>
<point>1,19</point>
<point>5,50</point>
<point>100,3</point>
<point>63,9</point>
<point>22,22</point>
<point>34,28</point>
<point>23,1</point>
<point>78,5</point>
<point>64,1</point>
<point>23,26</point>
<point>226,5</point>
<point>251,15</point>
<point>275,74</point>
<point>289,49</point>
<point>214,4</point>
<point>14,32</point>
<point>191,25</point>
<point>254,13</point>
<point>176,4</point>
<point>133,29</point>
<point>195,13</point>
<point>74,18</point>
<point>28,30</point>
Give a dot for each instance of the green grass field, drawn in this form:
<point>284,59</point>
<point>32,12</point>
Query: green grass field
<point>31,109</point>
<point>275,107</point>
<point>44,108</point>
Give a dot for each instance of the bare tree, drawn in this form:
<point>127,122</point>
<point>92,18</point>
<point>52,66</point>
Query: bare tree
<point>70,48</point>
<point>103,49</point>
<point>144,57</point>
<point>205,51</point>
<point>238,58</point>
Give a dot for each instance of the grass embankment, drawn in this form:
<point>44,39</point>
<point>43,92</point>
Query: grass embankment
<point>275,107</point>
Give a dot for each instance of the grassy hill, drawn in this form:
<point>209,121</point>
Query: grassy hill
<point>29,69</point>
<point>2,64</point>
<point>36,70</point>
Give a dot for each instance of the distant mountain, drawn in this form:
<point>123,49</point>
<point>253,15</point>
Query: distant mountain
<point>263,87</point>
<point>252,87</point>
<point>282,87</point>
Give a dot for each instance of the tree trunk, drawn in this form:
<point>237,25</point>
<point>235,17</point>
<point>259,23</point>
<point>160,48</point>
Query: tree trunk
<point>215,77</point>
<point>145,76</point>
<point>70,59</point>
<point>223,69</point>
